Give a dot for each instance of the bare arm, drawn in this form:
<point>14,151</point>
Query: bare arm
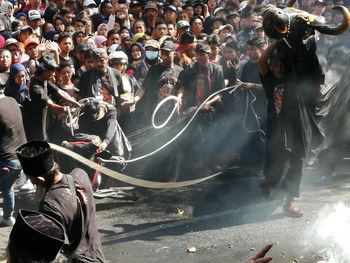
<point>263,65</point>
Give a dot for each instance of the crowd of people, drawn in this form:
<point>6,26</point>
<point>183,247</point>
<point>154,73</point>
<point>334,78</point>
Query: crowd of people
<point>115,61</point>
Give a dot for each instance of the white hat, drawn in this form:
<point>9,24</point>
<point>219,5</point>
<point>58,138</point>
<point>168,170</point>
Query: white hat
<point>118,55</point>
<point>228,26</point>
<point>113,48</point>
<point>89,2</point>
<point>34,14</point>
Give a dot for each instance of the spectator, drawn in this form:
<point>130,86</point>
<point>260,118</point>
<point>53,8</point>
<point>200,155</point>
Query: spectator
<point>11,137</point>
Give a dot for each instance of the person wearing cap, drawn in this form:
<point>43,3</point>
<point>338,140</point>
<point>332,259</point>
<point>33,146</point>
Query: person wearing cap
<point>24,33</point>
<point>181,27</point>
<point>17,50</point>
<point>35,111</point>
<point>35,22</point>
<point>195,83</point>
<point>319,8</point>
<point>151,58</point>
<point>35,237</point>
<point>135,9</point>
<point>170,14</point>
<point>224,31</point>
<point>119,61</point>
<point>102,82</point>
<point>159,82</point>
<point>31,46</point>
<point>68,199</point>
<point>12,135</point>
<point>234,19</point>
<point>151,13</point>
<point>200,79</point>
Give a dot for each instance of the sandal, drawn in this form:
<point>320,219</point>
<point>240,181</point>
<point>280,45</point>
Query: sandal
<point>292,211</point>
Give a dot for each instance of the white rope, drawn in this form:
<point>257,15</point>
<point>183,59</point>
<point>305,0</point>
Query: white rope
<point>176,106</point>
<point>119,159</point>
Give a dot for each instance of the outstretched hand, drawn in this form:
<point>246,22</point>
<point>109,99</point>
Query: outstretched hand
<point>260,257</point>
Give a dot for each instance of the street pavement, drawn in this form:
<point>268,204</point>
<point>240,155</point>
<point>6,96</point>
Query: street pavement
<point>225,220</point>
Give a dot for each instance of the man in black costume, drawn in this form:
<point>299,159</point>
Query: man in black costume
<point>68,199</point>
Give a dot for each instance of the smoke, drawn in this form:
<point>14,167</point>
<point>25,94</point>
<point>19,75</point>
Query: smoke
<point>331,230</point>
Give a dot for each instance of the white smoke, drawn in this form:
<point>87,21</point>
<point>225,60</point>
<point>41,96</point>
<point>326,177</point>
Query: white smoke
<point>332,231</point>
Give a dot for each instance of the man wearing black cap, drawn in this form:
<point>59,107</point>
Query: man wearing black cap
<point>160,80</point>
<point>35,111</point>
<point>195,84</point>
<point>68,199</point>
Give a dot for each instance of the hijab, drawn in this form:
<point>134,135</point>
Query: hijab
<point>13,89</point>
<point>99,40</point>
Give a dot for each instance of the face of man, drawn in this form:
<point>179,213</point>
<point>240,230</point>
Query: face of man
<point>167,57</point>
<point>89,63</point>
<point>151,13</point>
<point>170,16</point>
<point>79,26</point>
<point>101,63</point>
<point>49,75</point>
<point>113,39</point>
<point>16,52</point>
<point>66,45</point>
<point>183,16</point>
<point>161,30</point>
<point>5,59</point>
<point>34,23</point>
<point>253,53</point>
<point>60,3</point>
<point>197,26</point>
<point>34,3</point>
<point>202,58</point>
<point>139,27</point>
<point>69,17</point>
<point>171,30</point>
<point>32,51</point>
<point>24,35</point>
<point>136,11</point>
<point>107,9</point>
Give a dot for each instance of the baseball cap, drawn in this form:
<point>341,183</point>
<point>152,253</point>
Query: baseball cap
<point>89,2</point>
<point>138,36</point>
<point>31,41</point>
<point>152,43</point>
<point>228,26</point>
<point>170,8</point>
<point>168,46</point>
<point>203,47</point>
<point>151,5</point>
<point>118,55</point>
<point>33,14</point>
<point>11,41</point>
<point>134,3</point>
<point>182,24</point>
<point>218,9</point>
<point>26,27</point>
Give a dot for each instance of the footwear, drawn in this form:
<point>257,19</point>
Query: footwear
<point>292,211</point>
<point>7,222</point>
<point>267,190</point>
<point>28,186</point>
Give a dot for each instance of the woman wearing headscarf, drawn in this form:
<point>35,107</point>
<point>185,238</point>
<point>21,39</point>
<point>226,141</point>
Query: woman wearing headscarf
<point>17,83</point>
<point>136,54</point>
<point>100,41</point>
<point>102,30</point>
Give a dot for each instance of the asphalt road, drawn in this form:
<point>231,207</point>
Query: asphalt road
<point>226,220</point>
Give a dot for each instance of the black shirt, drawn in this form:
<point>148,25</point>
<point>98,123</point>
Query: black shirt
<point>83,244</point>
<point>35,112</point>
<point>199,82</point>
<point>11,129</point>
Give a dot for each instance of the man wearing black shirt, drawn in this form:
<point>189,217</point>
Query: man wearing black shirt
<point>159,82</point>
<point>68,199</point>
<point>273,78</point>
<point>102,82</point>
<point>11,137</point>
<point>35,111</point>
